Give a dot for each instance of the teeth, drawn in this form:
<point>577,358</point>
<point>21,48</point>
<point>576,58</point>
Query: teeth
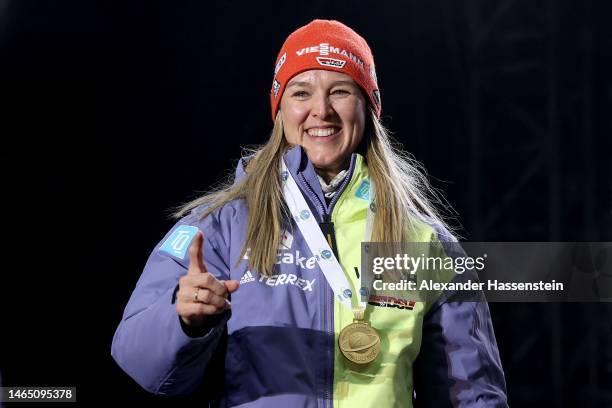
<point>322,132</point>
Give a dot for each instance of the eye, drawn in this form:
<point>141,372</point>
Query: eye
<point>340,92</point>
<point>300,94</point>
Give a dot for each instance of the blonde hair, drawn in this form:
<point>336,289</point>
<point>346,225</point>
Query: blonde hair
<point>402,194</point>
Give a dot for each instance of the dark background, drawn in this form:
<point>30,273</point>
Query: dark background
<point>114,112</point>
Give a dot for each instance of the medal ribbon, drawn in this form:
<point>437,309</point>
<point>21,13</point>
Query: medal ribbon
<point>318,245</point>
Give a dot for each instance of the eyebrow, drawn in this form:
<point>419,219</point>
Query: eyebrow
<point>303,83</point>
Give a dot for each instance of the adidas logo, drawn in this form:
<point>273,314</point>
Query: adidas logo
<point>247,277</point>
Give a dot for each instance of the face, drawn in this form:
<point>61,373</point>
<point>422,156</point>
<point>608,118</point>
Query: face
<point>324,112</point>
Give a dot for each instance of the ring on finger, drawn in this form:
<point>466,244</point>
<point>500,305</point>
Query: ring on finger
<point>195,295</point>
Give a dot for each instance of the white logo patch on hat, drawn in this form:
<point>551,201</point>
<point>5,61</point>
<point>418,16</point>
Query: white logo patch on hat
<point>280,63</point>
<point>275,88</point>
<point>331,62</point>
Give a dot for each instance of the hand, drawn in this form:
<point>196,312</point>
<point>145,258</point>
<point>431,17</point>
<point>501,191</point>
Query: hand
<point>200,294</point>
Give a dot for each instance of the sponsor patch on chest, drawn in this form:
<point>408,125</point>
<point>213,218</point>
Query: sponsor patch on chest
<point>289,279</point>
<point>306,285</point>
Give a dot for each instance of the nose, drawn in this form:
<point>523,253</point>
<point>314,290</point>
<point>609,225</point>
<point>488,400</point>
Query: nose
<point>321,107</point>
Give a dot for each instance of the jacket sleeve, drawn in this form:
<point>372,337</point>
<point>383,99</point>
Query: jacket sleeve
<point>458,364</point>
<point>150,344</point>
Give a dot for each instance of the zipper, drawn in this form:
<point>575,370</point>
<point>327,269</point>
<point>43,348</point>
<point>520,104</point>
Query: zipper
<point>328,306</point>
<point>321,207</point>
<point>331,351</point>
<point>329,381</point>
<point>345,182</point>
<point>326,326</point>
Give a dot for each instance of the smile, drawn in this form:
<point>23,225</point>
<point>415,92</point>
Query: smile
<point>323,133</point>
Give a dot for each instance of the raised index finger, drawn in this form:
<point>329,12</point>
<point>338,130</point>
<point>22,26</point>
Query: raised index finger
<point>196,254</point>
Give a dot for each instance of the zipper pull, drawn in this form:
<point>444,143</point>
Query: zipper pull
<point>327,228</point>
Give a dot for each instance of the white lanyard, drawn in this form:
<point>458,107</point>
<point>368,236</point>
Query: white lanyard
<point>318,245</point>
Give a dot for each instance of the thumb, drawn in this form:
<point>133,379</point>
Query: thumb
<point>231,285</point>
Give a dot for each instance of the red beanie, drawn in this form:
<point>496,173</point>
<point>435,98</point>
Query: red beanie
<point>329,45</point>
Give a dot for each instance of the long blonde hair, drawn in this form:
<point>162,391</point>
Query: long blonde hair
<point>402,194</point>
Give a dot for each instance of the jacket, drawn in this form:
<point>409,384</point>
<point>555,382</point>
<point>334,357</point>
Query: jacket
<point>282,331</point>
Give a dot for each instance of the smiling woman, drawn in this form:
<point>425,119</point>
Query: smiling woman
<point>324,112</point>
<point>272,261</point>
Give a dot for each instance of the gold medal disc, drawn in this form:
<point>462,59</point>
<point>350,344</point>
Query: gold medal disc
<point>359,343</point>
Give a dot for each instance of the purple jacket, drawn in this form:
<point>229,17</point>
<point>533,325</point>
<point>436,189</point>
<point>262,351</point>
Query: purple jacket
<point>277,343</point>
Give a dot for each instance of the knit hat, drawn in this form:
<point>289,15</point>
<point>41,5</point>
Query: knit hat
<point>328,45</point>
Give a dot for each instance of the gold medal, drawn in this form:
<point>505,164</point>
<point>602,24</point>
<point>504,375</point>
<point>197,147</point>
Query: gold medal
<point>359,342</point>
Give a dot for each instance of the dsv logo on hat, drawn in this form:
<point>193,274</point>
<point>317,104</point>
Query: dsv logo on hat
<point>331,62</point>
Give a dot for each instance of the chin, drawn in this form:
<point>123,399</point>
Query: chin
<point>321,159</point>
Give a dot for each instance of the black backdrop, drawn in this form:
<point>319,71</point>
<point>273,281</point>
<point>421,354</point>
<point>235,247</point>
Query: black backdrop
<point>113,112</point>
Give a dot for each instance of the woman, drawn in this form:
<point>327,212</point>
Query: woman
<point>273,260</point>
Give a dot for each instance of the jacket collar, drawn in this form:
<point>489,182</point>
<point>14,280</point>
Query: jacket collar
<point>303,172</point>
